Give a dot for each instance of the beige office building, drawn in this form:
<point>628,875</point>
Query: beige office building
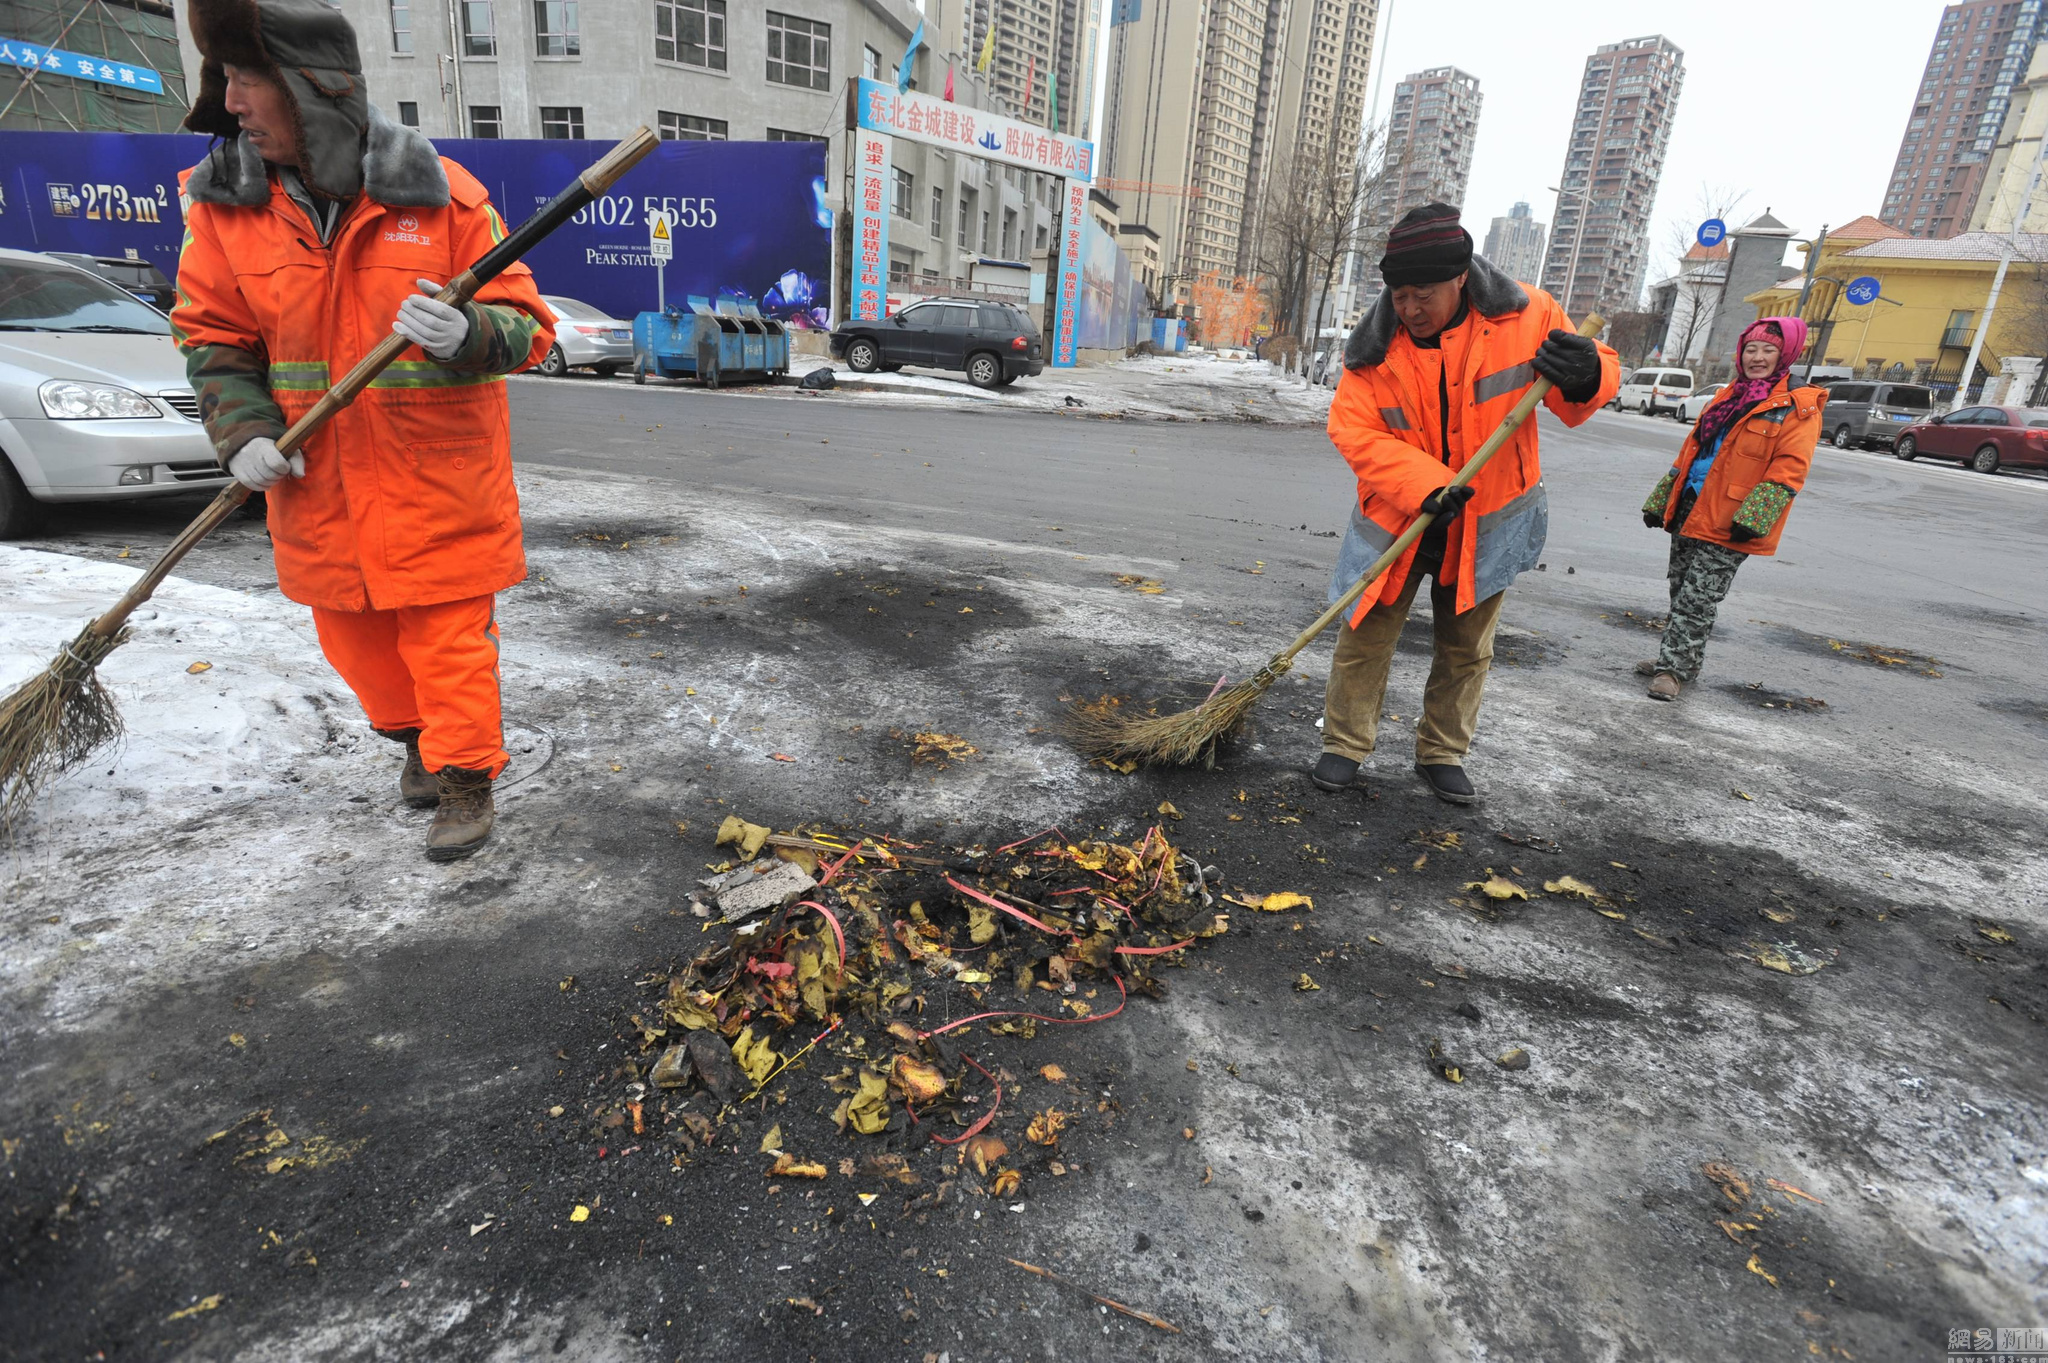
<point>1209,100</point>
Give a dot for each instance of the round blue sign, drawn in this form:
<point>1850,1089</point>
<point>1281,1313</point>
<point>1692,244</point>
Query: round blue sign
<point>1862,290</point>
<point>1712,231</point>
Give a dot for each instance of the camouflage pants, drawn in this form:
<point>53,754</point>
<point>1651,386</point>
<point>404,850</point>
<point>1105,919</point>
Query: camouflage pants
<point>1701,574</point>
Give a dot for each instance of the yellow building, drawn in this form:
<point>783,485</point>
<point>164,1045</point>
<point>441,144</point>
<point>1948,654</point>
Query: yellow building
<point>1925,316</point>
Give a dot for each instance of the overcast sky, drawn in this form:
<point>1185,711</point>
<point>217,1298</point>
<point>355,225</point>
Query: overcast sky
<point>1797,107</point>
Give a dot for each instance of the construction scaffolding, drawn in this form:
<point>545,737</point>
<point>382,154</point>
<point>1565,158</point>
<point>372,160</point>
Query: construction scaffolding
<point>133,33</point>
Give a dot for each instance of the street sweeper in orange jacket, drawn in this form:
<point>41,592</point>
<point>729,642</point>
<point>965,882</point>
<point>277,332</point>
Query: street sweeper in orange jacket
<point>315,228</point>
<point>1429,373</point>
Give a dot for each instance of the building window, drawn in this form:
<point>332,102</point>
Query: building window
<point>799,51</point>
<point>479,29</point>
<point>691,32</point>
<point>401,26</point>
<point>562,122</point>
<point>938,214</point>
<point>870,63</point>
<point>967,197</point>
<point>690,128</point>
<point>555,29</point>
<point>484,121</point>
<point>785,135</point>
<point>984,231</point>
<point>903,192</point>
<point>409,113</point>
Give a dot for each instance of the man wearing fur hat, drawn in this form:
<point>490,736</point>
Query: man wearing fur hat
<point>315,228</point>
<point>1429,373</point>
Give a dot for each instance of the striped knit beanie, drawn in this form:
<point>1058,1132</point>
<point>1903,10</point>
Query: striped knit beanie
<point>1427,246</point>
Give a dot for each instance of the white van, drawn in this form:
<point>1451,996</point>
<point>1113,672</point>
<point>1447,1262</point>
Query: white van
<point>1652,391</point>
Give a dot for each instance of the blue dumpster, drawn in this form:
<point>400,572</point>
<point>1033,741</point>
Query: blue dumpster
<point>712,344</point>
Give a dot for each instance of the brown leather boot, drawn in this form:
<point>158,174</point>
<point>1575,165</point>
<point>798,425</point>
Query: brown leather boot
<point>1665,687</point>
<point>463,818</point>
<point>416,785</point>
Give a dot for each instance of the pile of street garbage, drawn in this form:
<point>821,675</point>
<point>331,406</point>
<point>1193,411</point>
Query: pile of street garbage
<point>879,966</point>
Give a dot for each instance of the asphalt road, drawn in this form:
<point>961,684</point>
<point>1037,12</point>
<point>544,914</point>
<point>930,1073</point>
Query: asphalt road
<point>1279,1171</point>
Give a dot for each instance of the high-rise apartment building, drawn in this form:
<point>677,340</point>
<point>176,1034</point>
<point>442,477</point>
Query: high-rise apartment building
<point>1044,59</point>
<point>1515,244</point>
<point>1430,132</point>
<point>1981,50</point>
<point>1628,99</point>
<point>1211,102</point>
<point>2011,165</point>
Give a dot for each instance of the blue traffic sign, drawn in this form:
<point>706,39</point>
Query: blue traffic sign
<point>1712,231</point>
<point>1862,289</point>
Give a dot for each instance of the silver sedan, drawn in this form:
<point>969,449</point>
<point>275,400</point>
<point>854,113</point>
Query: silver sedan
<point>586,338</point>
<point>94,404</point>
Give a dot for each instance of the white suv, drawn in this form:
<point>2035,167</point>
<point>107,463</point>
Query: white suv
<point>1653,391</point>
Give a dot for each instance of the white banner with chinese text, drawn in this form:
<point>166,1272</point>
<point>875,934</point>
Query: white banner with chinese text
<point>879,107</point>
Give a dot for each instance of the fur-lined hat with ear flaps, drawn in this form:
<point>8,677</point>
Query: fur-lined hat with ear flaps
<point>310,51</point>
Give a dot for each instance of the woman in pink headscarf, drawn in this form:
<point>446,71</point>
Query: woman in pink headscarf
<point>1728,495</point>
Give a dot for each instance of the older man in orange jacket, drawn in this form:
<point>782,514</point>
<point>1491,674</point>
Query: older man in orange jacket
<point>1428,374</point>
<point>316,228</point>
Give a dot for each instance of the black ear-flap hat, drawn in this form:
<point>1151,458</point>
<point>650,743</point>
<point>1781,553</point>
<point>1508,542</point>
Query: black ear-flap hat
<point>310,51</point>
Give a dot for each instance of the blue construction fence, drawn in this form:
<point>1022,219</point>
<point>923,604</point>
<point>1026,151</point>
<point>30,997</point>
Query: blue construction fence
<point>1115,314</point>
<point>750,217</point>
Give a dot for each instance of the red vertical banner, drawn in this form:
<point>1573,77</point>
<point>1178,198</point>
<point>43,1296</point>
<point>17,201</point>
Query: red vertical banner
<point>1066,320</point>
<point>871,227</point>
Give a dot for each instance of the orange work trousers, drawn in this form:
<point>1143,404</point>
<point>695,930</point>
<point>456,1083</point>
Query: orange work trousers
<point>431,668</point>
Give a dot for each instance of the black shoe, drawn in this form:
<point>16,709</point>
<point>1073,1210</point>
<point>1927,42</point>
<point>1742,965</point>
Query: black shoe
<point>1334,772</point>
<point>1449,782</point>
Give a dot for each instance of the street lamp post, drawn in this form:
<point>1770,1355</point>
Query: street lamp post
<point>1571,274</point>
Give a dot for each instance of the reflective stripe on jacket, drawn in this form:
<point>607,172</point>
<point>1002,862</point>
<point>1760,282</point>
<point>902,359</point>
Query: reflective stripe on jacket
<point>1773,444</point>
<point>408,497</point>
<point>1385,421</point>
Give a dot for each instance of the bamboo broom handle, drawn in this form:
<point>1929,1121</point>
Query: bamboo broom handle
<point>1280,661</point>
<point>589,185</point>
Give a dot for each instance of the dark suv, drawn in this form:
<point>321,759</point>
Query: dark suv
<point>995,343</point>
<point>1866,414</point>
<point>139,277</point>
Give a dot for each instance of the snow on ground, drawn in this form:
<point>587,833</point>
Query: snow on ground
<point>220,690</point>
<point>1192,387</point>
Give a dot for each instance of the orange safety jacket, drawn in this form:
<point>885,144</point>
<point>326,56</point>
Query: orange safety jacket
<point>1759,469</point>
<point>1385,422</point>
<point>408,497</point>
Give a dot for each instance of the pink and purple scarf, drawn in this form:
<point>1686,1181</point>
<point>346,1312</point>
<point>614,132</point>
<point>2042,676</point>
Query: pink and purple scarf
<point>1743,394</point>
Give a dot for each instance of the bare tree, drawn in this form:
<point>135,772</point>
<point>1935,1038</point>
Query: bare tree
<point>1322,201</point>
<point>1631,334</point>
<point>1698,283</point>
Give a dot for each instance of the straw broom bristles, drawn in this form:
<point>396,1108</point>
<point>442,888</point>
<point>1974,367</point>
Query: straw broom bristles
<point>55,720</point>
<point>1176,740</point>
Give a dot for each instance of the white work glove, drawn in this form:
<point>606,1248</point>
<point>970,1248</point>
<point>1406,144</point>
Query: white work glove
<point>434,326</point>
<point>260,464</point>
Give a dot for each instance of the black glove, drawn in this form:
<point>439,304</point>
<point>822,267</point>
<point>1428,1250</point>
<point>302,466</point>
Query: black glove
<point>1653,520</point>
<point>1572,362</point>
<point>1740,533</point>
<point>1446,502</point>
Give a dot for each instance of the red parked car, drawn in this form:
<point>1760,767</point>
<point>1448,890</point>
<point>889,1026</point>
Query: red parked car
<point>1984,438</point>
